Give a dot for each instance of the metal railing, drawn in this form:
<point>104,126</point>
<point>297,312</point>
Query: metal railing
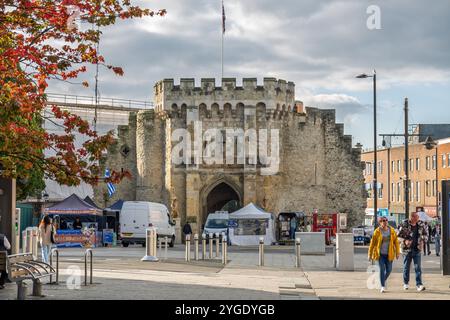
<point>88,251</point>
<point>90,100</point>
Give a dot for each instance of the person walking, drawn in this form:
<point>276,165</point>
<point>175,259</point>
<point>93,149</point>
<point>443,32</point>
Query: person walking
<point>427,249</point>
<point>414,235</point>
<point>187,230</point>
<point>293,225</point>
<point>437,238</point>
<point>4,247</point>
<point>45,237</point>
<point>384,248</point>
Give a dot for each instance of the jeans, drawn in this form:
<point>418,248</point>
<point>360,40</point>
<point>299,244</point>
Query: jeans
<point>45,250</point>
<point>437,244</point>
<point>416,257</point>
<point>293,232</point>
<point>385,268</point>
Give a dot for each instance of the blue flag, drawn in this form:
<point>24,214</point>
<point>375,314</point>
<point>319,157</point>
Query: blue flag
<point>110,185</point>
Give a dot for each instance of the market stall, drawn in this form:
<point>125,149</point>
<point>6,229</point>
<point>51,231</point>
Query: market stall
<point>290,222</point>
<point>248,224</point>
<point>66,212</point>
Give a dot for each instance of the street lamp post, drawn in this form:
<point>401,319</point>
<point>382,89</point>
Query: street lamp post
<point>375,171</point>
<point>429,145</point>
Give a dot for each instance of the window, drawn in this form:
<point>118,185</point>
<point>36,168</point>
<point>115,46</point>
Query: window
<point>428,188</point>
<point>427,163</point>
<point>417,164</point>
<point>448,160</point>
<point>380,167</point>
<point>434,162</point>
<point>380,191</point>
<point>443,160</point>
<point>399,165</point>
<point>369,190</point>
<point>369,168</point>
<point>434,188</point>
<point>392,191</point>
<point>399,191</point>
<point>393,165</point>
<point>411,191</point>
<point>411,165</point>
<point>417,191</point>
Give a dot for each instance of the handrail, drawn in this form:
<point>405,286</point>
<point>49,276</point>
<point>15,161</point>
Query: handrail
<point>88,251</point>
<point>90,100</point>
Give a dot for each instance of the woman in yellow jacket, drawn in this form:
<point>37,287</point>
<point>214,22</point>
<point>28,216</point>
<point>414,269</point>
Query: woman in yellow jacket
<point>384,247</point>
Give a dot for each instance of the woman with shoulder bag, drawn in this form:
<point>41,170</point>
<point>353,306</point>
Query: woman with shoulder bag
<point>384,247</point>
<point>45,237</point>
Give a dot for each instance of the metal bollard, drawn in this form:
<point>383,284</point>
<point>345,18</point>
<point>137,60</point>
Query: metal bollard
<point>88,251</point>
<point>24,241</point>
<point>34,242</point>
<point>224,250</point>
<point>159,247</point>
<point>203,246</point>
<point>196,246</point>
<point>54,250</point>
<point>261,251</point>
<point>166,241</point>
<point>187,255</point>
<point>28,241</point>
<point>150,245</point>
<point>210,246</point>
<point>297,253</point>
<point>217,245</point>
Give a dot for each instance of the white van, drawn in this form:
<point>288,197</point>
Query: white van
<point>137,216</point>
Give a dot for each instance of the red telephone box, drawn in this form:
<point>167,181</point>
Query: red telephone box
<point>326,222</point>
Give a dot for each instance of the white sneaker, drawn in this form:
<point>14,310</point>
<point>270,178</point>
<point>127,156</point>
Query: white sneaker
<point>420,288</point>
<point>383,289</point>
<point>405,287</point>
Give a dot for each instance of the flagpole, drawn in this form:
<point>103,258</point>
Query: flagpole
<point>223,27</point>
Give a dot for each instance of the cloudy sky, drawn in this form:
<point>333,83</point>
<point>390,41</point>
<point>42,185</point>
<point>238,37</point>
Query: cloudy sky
<point>320,45</point>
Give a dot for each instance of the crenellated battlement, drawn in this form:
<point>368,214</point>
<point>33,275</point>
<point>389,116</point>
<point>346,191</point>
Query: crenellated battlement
<point>274,93</point>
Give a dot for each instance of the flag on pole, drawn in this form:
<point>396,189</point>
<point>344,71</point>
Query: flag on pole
<point>110,185</point>
<point>223,18</point>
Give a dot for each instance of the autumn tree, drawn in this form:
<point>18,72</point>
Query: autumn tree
<point>39,41</point>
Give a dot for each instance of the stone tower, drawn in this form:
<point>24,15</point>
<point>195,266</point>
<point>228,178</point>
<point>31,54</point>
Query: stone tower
<point>308,163</point>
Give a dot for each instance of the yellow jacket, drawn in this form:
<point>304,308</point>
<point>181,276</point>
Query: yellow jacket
<point>375,245</point>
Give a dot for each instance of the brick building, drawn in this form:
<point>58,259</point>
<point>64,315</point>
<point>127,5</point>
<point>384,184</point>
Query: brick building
<point>427,170</point>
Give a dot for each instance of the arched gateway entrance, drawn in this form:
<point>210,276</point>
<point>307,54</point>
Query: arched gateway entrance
<point>220,197</point>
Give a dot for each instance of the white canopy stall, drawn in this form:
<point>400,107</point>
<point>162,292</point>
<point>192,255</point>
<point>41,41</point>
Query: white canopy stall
<point>248,224</point>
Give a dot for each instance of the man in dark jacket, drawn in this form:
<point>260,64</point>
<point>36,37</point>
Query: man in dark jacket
<point>414,236</point>
<point>427,249</point>
<point>187,230</point>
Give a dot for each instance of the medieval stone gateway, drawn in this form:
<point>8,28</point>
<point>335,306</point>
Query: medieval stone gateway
<point>312,163</point>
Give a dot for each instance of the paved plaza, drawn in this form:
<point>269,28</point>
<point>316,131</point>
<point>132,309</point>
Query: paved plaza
<point>119,274</point>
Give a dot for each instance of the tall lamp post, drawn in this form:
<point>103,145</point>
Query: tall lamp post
<point>375,171</point>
